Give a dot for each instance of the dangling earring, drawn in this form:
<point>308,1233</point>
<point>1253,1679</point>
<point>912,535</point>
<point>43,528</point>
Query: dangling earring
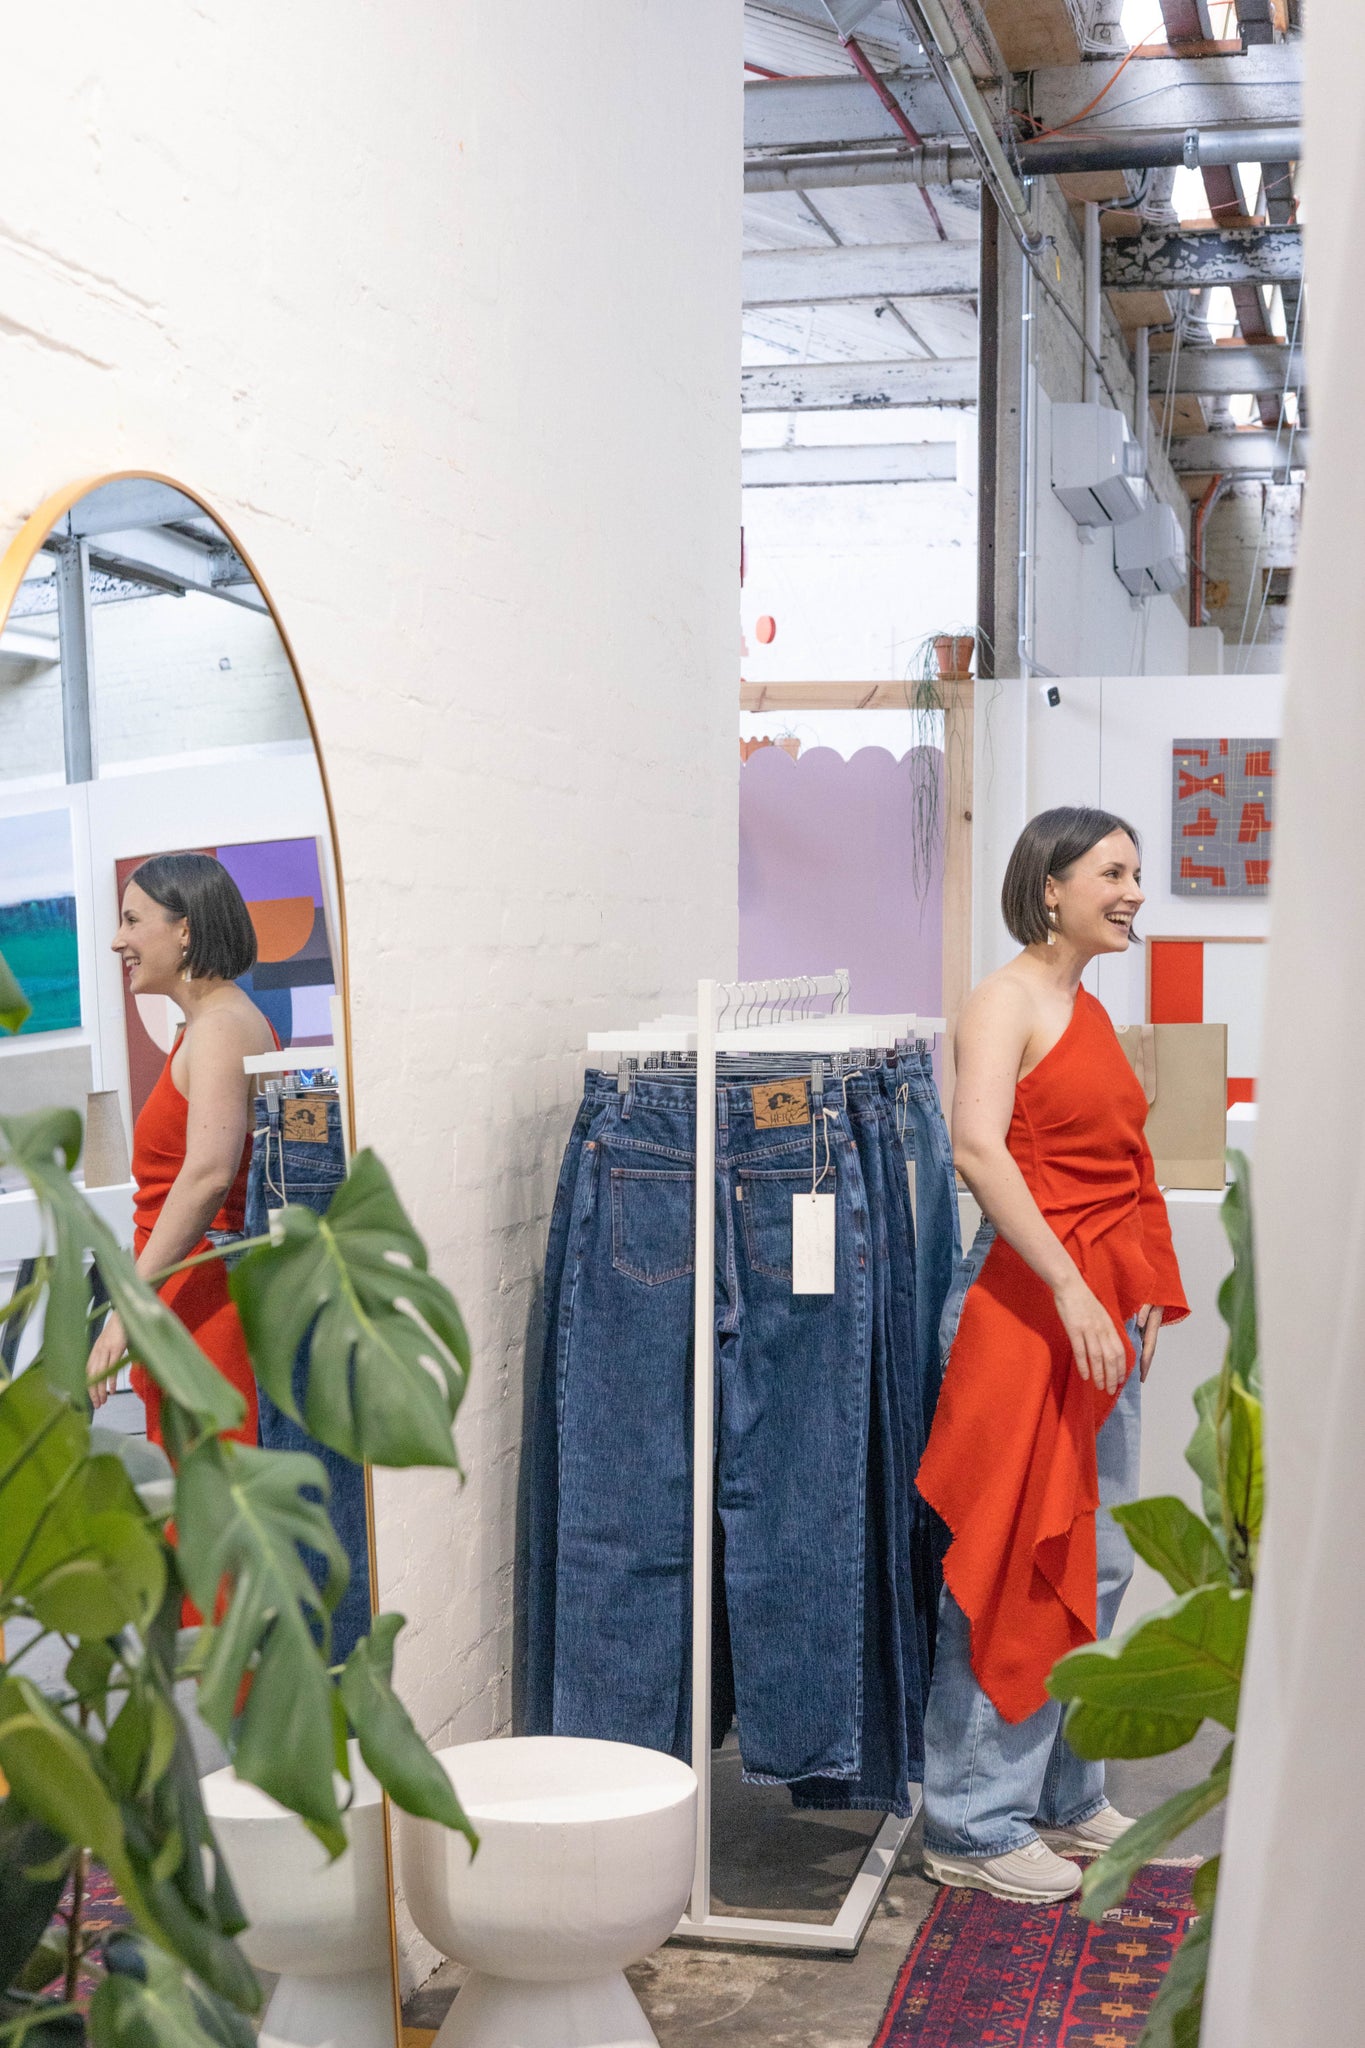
<point>186,973</point>
<point>1052,925</point>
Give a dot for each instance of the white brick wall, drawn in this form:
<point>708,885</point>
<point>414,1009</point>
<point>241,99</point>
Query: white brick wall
<point>441,313</point>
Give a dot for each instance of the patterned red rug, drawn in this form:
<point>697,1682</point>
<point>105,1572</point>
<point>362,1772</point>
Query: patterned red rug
<point>989,1973</point>
<point>102,1912</point>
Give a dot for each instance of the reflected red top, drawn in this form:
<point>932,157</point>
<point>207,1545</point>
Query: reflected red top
<point>1010,1464</point>
<point>200,1297</point>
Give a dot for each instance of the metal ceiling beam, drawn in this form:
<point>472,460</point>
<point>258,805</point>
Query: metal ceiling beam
<point>1198,258</point>
<point>943,163</point>
<point>903,462</point>
<point>137,501</point>
<point>1228,372</point>
<point>1264,85</point>
<point>171,561</point>
<point>807,113</point>
<point>77,649</point>
<point>821,277</point>
<point>857,387</point>
<point>1251,451</point>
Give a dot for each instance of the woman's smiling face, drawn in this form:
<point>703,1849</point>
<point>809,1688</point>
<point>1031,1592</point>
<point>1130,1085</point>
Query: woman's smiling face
<point>1100,895</point>
<point>151,942</point>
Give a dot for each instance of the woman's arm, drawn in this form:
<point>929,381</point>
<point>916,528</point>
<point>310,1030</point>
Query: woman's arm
<point>215,1135</point>
<point>992,1036</point>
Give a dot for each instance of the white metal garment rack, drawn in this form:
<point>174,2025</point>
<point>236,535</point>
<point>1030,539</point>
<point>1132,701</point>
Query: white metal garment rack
<point>776,1018</point>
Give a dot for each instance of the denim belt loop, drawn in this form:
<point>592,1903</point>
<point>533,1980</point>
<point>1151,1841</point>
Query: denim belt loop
<point>723,1107</point>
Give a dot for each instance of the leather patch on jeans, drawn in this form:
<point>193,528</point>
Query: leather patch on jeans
<point>778,1104</point>
<point>305,1121</point>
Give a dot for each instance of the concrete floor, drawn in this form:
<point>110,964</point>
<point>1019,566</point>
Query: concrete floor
<point>771,1860</point>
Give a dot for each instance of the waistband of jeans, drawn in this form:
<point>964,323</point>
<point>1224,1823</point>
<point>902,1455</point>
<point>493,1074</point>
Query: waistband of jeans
<point>735,1101</point>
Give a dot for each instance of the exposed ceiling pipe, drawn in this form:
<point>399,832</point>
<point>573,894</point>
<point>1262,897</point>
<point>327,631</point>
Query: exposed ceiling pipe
<point>948,61</point>
<point>1212,493</point>
<point>1090,384</point>
<point>942,162</point>
<point>1142,397</point>
<point>898,115</point>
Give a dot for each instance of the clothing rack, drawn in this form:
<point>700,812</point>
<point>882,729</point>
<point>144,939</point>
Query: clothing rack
<point>793,1028</point>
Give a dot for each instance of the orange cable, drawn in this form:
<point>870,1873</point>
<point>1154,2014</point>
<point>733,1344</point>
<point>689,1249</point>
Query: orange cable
<point>1108,86</point>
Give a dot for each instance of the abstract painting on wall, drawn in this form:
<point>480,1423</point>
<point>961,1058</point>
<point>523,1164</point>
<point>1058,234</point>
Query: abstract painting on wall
<point>1222,816</point>
<point>38,916</point>
<point>294,978</point>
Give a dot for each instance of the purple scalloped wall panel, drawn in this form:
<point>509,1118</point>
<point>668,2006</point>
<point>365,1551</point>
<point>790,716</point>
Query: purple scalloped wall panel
<point>826,875</point>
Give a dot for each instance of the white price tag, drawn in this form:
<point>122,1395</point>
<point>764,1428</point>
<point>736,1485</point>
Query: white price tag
<point>812,1244</point>
<point>914,1192</point>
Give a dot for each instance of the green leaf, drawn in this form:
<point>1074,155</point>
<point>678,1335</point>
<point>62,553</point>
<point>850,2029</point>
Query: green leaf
<point>147,2001</point>
<point>42,1441</point>
<point>93,1565</point>
<point>1150,1690</point>
<point>1205,1884</point>
<point>40,2023</point>
<point>1172,1539</point>
<point>1237,1296</point>
<point>44,1147</point>
<point>389,1743</point>
<point>44,1966</point>
<point>27,1902</point>
<point>89,1669</point>
<point>1178,2008</point>
<point>1244,1478</point>
<point>1201,1453</point>
<point>389,1356</point>
<point>243,1519</point>
<point>15,1007</point>
<point>1108,1878</point>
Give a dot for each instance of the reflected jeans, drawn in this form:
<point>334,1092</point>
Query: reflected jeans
<point>990,1784</point>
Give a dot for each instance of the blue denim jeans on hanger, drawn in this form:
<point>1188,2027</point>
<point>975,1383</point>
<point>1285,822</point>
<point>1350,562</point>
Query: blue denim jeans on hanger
<point>291,1170</point>
<point>543,1502</point>
<point>893,1684</point>
<point>938,1233</point>
<point>792,1374</point>
<point>990,1784</point>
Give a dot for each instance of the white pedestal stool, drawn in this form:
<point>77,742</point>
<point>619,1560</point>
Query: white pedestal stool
<point>584,1866</point>
<point>322,1927</point>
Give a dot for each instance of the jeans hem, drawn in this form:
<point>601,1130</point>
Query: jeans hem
<point>937,1846</point>
<point>842,1773</point>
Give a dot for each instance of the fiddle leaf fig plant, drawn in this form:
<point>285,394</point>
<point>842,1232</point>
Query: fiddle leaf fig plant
<point>103,1538</point>
<point>1151,1690</point>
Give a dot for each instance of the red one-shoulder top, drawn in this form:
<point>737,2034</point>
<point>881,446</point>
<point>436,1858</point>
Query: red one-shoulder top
<point>1010,1463</point>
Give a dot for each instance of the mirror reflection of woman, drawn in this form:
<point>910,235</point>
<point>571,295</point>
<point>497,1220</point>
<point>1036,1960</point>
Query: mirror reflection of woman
<point>185,933</point>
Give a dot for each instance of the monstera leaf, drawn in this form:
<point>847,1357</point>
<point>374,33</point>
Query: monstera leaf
<point>389,1743</point>
<point>44,1148</point>
<point>388,1353</point>
<point>244,1517</point>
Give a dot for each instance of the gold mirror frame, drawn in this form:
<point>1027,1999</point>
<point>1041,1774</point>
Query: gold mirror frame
<point>13,567</point>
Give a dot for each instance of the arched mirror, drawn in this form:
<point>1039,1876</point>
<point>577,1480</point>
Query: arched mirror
<point>165,828</point>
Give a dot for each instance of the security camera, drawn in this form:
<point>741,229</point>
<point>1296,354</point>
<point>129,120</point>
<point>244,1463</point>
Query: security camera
<point>1051,694</point>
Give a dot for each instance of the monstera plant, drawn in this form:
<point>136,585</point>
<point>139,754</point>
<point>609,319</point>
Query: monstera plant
<point>1151,1690</point>
<point>101,1539</point>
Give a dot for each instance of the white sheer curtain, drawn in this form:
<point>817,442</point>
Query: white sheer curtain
<point>1288,1968</point>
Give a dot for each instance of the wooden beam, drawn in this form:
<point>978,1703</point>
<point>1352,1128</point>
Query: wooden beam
<point>884,462</point>
<point>859,387</point>
<point>820,276</point>
<point>959,730</point>
<point>1172,259</point>
<point>844,696</point>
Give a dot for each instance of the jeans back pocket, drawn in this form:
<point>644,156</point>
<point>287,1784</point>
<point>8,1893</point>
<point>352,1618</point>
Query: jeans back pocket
<point>765,1203</point>
<point>653,1223</point>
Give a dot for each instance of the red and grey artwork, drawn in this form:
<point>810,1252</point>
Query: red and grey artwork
<point>1222,816</point>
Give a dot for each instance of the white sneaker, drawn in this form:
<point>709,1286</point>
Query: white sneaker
<point>1092,1837</point>
<point>1032,1873</point>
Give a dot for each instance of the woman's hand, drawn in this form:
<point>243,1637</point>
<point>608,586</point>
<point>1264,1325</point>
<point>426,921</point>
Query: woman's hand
<point>105,1354</point>
<point>1149,1322</point>
<point>1100,1352</point>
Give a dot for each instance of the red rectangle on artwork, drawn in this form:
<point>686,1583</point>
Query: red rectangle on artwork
<point>1240,1090</point>
<point>1177,991</point>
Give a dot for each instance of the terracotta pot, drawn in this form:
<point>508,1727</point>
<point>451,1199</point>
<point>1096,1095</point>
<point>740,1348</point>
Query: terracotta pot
<point>790,744</point>
<point>953,654</point>
<point>747,747</point>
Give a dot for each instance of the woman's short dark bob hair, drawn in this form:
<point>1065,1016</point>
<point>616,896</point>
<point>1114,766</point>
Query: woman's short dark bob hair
<point>222,941</point>
<point>1050,844</point>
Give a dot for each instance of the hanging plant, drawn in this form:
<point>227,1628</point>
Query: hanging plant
<point>939,658</point>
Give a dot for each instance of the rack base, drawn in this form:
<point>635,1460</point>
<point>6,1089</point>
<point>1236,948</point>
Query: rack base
<point>840,1936</point>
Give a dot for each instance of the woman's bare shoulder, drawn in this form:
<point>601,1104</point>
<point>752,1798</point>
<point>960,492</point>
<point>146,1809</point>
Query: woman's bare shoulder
<point>1005,997</point>
<point>230,1030</point>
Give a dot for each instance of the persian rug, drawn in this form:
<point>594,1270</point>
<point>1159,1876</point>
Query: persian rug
<point>102,1912</point>
<point>992,1973</point>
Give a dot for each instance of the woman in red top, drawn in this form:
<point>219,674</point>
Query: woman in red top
<point>1049,1332</point>
<point>185,933</point>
